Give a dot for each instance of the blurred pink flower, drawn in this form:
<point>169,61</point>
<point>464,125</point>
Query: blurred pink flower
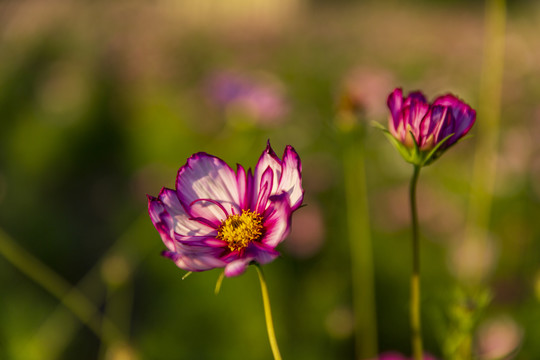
<point>363,88</point>
<point>259,98</point>
<point>219,218</point>
<point>307,235</point>
<point>421,128</point>
<point>498,338</point>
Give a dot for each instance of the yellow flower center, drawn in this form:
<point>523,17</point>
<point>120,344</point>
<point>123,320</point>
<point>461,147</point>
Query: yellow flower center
<point>239,230</point>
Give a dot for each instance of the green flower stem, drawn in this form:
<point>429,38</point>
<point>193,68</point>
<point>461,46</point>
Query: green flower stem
<point>416,327</point>
<point>70,296</point>
<point>363,291</point>
<point>268,315</point>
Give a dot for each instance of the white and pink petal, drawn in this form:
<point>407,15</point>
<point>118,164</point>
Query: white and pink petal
<point>265,191</point>
<point>195,261</point>
<point>206,186</point>
<point>277,221</point>
<point>237,267</point>
<point>261,253</point>
<point>162,220</point>
<point>183,223</point>
<point>291,178</point>
<point>243,187</point>
<point>268,159</point>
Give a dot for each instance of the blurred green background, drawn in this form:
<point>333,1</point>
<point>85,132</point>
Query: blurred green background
<point>102,102</point>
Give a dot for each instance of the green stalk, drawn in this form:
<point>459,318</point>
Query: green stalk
<point>268,315</point>
<point>485,157</point>
<point>363,290</point>
<point>416,326</point>
<point>489,109</point>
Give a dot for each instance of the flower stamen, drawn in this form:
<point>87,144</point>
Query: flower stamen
<point>239,230</point>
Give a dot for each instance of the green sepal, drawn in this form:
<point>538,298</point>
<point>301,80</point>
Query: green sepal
<point>417,155</point>
<point>402,149</point>
<point>434,154</point>
<point>414,155</point>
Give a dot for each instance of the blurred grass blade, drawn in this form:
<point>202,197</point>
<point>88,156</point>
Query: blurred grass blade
<point>70,296</point>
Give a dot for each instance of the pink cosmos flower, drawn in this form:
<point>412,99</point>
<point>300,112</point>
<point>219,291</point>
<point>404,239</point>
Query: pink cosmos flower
<point>218,218</point>
<point>435,126</point>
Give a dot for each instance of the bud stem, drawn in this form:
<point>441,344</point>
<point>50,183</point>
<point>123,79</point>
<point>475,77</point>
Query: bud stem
<point>416,329</point>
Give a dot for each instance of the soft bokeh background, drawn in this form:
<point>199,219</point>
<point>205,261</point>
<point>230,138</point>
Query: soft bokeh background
<point>102,102</point>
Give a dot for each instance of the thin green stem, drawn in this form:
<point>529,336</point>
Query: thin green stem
<point>268,315</point>
<point>416,328</point>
